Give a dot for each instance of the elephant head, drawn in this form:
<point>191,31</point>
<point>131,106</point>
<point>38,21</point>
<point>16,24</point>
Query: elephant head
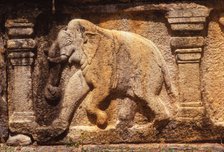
<point>77,43</point>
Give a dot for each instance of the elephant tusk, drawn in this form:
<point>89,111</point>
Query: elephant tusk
<point>64,57</point>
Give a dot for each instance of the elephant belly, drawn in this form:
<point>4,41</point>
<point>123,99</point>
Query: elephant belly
<point>148,81</point>
<point>139,78</point>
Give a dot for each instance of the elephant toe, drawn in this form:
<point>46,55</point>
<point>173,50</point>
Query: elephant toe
<point>102,119</point>
<point>52,93</point>
<point>159,124</point>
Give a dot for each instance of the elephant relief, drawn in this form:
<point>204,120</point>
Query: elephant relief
<point>109,61</point>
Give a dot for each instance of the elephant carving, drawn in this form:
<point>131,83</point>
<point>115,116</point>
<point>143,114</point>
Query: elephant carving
<point>110,62</point>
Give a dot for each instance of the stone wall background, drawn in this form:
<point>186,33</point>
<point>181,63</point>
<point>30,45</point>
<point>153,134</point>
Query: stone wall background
<point>3,99</point>
<point>213,69</point>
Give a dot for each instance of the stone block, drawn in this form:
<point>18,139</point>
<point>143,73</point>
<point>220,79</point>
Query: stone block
<point>187,42</point>
<point>189,83</point>
<point>188,57</point>
<point>21,44</point>
<point>21,61</point>
<point>191,104</point>
<point>20,32</point>
<point>189,13</point>
<point>20,110</point>
<point>187,27</point>
<point>14,55</point>
<point>186,51</point>
<point>186,20</point>
<point>191,112</point>
<point>20,139</point>
<point>13,23</point>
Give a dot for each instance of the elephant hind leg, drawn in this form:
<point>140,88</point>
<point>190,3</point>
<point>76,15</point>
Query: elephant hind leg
<point>162,115</point>
<point>94,99</point>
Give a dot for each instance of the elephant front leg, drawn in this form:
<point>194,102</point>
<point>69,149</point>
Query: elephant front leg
<point>94,99</point>
<point>76,89</point>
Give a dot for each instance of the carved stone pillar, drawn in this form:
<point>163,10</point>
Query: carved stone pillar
<point>20,53</point>
<point>187,42</point>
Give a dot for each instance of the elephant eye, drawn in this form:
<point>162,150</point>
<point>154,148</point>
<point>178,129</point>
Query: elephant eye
<point>85,40</point>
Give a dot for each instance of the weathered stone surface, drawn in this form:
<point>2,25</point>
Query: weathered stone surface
<point>187,27</point>
<point>189,13</point>
<point>18,23</point>
<point>189,57</point>
<point>3,120</point>
<point>189,83</point>
<point>20,32</point>
<point>191,112</point>
<point>3,101</point>
<point>186,51</point>
<point>19,140</point>
<point>21,44</point>
<point>20,79</point>
<point>187,20</point>
<point>121,147</point>
<point>142,7</point>
<point>20,55</point>
<point>121,78</point>
<point>156,148</point>
<point>86,73</point>
<point>212,68</point>
<point>20,99</point>
<point>191,104</point>
<point>181,42</point>
<point>221,19</point>
<point>21,61</point>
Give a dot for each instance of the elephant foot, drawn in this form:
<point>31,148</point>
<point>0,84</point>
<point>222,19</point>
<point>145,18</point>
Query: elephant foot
<point>47,133</point>
<point>52,93</point>
<point>102,119</point>
<point>160,123</point>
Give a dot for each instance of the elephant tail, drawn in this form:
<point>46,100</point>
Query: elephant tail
<point>170,87</point>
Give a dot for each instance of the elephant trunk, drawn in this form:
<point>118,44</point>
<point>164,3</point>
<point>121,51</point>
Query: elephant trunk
<point>54,54</point>
<point>52,91</point>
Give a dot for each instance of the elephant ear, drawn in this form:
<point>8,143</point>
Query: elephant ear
<point>91,44</point>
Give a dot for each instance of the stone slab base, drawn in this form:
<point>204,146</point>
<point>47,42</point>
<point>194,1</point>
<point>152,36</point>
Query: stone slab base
<point>119,147</point>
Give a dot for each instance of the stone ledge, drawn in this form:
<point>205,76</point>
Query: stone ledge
<point>212,147</point>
